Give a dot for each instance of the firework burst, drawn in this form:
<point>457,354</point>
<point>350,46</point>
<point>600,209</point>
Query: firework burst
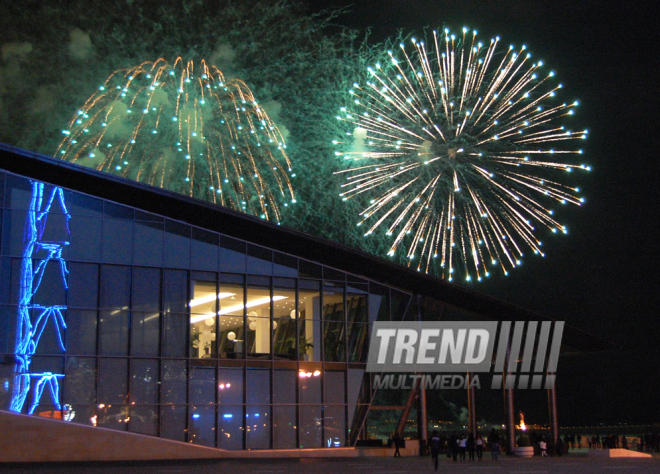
<point>185,128</point>
<point>458,151</point>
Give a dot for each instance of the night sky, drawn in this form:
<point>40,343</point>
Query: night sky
<point>602,276</point>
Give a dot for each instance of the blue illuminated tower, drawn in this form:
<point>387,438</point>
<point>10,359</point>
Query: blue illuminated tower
<point>33,319</point>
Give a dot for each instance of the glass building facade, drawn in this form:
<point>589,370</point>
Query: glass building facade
<point>115,317</point>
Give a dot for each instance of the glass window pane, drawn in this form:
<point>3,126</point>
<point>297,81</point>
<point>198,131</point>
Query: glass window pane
<point>259,260</point>
<point>110,209</point>
<point>285,427</point>
<point>258,307</point>
<point>144,381</point>
<point>230,321</point>
<point>117,241</point>
<point>18,192</point>
<point>334,387</point>
<point>80,381</point>
<point>86,238</point>
<point>148,247</point>
<point>202,385</point>
<point>113,381</point>
<point>83,205</point>
<point>204,250</point>
<point>258,386</point>
<point>334,328</point>
<point>13,230</point>
<point>145,317</point>
<point>177,245</point>
<point>83,285</point>
<point>8,320</point>
<point>42,365</point>
<point>173,422</point>
<point>143,420</point>
<point>311,427</point>
<point>232,255</point>
<point>334,275</point>
<point>203,309</point>
<point>174,378</point>
<point>398,305</point>
<point>309,269</point>
<point>85,415</point>
<point>175,291</point>
<point>146,289</point>
<point>53,337</point>
<point>114,417</point>
<point>11,276</point>
<point>230,427</point>
<point>309,382</point>
<point>113,323</point>
<point>379,303</point>
<point>175,300</point>
<point>284,323</point>
<point>309,325</point>
<point>230,386</point>
<point>52,287</point>
<point>358,342</point>
<point>284,386</point>
<point>145,331</point>
<point>356,306</point>
<point>201,427</point>
<point>115,287</point>
<point>334,421</point>
<point>81,332</point>
<point>285,265</point>
<point>257,426</point>
<point>113,332</point>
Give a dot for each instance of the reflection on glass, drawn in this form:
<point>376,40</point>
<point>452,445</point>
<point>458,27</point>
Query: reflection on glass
<point>284,427</point>
<point>284,325</point>
<point>334,426</point>
<point>143,420</point>
<point>309,324</point>
<point>203,319</point>
<point>311,427</point>
<point>258,331</point>
<point>230,427</point>
<point>201,427</point>
<point>230,321</point>
<point>334,326</point>
<point>230,386</point>
<point>173,422</point>
<point>257,426</point>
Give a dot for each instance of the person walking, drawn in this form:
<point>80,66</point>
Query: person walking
<point>453,445</point>
<point>434,444</point>
<point>470,446</point>
<point>543,446</point>
<point>462,446</point>
<point>397,444</point>
<point>479,443</point>
<point>494,440</point>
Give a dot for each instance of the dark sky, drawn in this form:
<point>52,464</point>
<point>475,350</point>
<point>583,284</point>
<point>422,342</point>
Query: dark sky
<point>602,277</point>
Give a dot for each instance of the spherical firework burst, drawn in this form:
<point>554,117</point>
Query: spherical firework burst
<point>187,129</point>
<point>457,149</point>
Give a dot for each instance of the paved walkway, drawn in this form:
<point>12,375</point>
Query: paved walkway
<point>570,464</point>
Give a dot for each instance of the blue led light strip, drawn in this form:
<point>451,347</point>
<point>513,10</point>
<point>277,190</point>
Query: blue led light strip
<point>29,332</point>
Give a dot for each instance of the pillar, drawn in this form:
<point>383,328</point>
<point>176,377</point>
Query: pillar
<point>552,412</point>
<point>472,412</point>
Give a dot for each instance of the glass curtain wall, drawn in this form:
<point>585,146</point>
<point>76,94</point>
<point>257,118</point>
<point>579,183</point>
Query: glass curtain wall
<point>190,335</point>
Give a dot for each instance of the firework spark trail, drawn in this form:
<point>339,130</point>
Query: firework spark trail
<point>453,164</point>
<point>185,128</point>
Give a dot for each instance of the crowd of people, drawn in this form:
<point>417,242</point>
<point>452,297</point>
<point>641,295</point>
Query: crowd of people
<point>469,447</point>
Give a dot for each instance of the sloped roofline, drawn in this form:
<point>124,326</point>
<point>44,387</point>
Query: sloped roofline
<point>281,238</point>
